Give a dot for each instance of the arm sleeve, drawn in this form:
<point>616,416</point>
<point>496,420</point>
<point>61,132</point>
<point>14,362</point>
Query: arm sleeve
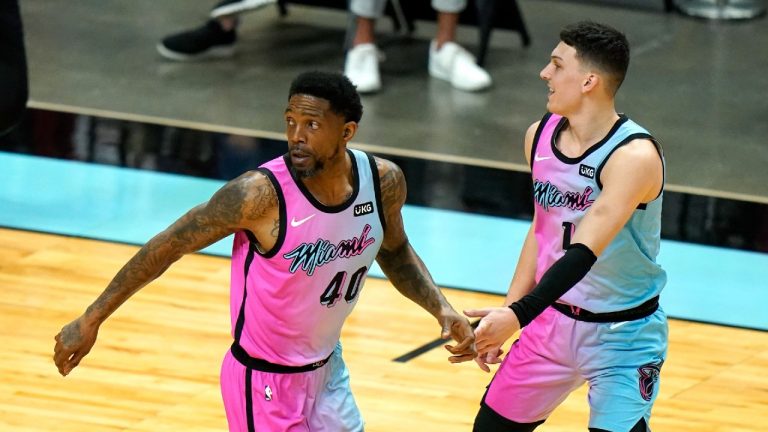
<point>562,276</point>
<point>13,65</point>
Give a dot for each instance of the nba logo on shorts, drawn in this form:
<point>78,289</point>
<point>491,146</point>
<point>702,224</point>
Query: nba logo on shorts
<point>267,393</point>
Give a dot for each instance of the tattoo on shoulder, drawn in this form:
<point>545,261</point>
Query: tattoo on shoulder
<point>245,198</point>
<point>248,197</point>
<point>393,188</point>
<point>261,198</point>
<point>228,204</point>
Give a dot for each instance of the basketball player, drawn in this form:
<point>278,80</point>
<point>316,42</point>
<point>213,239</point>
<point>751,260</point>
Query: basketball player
<point>307,227</point>
<point>586,287</point>
<point>13,66</point>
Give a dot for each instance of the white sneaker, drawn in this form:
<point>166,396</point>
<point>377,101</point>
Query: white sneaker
<point>362,68</point>
<point>456,65</point>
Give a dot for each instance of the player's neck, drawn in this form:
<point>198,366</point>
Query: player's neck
<point>588,127</point>
<point>334,184</point>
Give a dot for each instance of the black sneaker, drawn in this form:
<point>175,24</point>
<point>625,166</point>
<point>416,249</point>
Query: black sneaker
<point>208,41</point>
<point>231,7</point>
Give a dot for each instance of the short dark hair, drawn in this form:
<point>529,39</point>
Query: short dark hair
<point>600,45</point>
<point>333,87</point>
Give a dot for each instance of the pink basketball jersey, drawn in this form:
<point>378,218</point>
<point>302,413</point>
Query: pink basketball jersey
<point>626,274</point>
<point>288,304</point>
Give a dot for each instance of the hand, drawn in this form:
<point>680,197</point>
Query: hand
<point>491,357</point>
<point>497,324</point>
<point>73,342</point>
<point>457,327</point>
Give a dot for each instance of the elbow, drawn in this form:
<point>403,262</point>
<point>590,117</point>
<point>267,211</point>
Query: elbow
<point>395,254</point>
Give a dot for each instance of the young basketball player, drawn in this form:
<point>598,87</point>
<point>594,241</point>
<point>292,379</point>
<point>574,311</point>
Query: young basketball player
<point>586,288</point>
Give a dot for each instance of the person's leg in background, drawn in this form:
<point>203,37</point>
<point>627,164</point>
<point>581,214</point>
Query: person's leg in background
<point>214,39</point>
<point>447,59</point>
<point>361,65</point>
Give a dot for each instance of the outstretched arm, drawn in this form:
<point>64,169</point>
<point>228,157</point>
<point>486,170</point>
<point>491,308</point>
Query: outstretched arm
<point>240,204</point>
<point>407,272</point>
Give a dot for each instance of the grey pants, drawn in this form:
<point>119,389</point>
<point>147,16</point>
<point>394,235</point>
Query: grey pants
<point>375,8</point>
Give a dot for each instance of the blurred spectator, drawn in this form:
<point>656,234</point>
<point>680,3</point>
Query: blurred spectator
<point>447,60</point>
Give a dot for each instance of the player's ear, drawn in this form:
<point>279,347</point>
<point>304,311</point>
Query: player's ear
<point>350,128</point>
<point>590,82</point>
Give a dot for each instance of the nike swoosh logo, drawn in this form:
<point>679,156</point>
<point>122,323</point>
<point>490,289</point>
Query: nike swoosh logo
<point>295,223</point>
<point>616,325</point>
<point>538,158</point>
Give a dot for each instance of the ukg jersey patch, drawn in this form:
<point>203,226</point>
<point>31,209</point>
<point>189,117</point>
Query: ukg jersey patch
<point>586,171</point>
<point>364,209</point>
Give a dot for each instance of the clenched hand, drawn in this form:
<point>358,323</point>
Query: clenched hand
<point>73,342</point>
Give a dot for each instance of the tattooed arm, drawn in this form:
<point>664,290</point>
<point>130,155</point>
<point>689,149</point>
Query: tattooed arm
<point>247,202</point>
<point>407,272</point>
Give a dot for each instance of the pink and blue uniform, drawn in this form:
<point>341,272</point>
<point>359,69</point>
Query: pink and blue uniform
<point>577,340</point>
<point>284,371</point>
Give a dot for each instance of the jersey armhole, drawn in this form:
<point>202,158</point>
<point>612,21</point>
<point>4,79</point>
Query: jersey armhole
<point>377,190</point>
<point>630,138</point>
<point>660,151</point>
<point>536,136</point>
<point>281,214</point>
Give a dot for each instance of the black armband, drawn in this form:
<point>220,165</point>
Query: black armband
<point>562,276</point>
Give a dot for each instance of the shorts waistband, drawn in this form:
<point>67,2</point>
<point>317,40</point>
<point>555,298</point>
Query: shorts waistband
<point>264,366</point>
<point>642,311</point>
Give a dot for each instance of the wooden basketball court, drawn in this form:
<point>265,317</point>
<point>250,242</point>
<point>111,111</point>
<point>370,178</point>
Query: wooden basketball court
<point>156,364</point>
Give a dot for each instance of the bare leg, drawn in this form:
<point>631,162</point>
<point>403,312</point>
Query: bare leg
<point>450,62</point>
<point>362,63</point>
<point>227,22</point>
<point>364,32</point>
<point>446,28</point>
